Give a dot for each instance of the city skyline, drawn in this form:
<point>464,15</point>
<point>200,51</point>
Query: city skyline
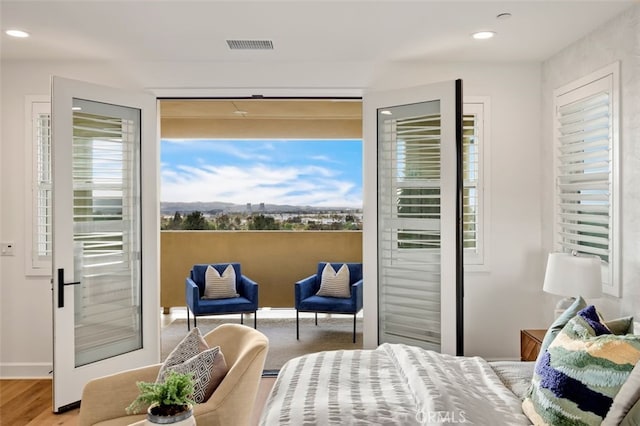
<point>301,172</point>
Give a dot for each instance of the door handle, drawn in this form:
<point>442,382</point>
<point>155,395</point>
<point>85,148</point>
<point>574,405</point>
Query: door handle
<point>61,285</point>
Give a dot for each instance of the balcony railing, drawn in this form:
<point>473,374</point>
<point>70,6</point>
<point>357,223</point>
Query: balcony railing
<point>274,259</point>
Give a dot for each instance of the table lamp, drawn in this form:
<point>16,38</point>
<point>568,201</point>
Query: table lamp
<point>571,275</point>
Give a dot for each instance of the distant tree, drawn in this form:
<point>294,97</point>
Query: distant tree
<point>195,221</point>
<point>262,222</point>
<point>172,223</point>
<point>335,226</point>
<point>176,222</point>
<point>223,222</point>
<point>349,218</point>
<point>294,219</point>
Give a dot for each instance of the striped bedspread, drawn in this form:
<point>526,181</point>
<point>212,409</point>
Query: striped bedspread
<point>392,385</point>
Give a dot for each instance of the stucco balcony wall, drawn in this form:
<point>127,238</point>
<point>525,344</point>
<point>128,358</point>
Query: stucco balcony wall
<point>274,259</point>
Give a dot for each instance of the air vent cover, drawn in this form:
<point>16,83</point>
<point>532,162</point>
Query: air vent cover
<point>250,44</point>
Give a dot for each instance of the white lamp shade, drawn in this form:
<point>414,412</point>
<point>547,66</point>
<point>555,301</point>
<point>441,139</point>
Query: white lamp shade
<point>570,275</point>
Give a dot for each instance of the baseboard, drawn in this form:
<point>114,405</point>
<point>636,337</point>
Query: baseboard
<point>34,370</point>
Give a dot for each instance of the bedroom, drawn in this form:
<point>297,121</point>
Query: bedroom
<point>499,301</point>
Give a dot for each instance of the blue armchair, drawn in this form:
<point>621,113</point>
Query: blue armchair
<point>306,299</point>
<point>246,302</point>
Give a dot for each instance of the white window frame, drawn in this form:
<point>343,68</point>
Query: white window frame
<point>34,264</point>
<point>478,260</point>
<point>605,79</point>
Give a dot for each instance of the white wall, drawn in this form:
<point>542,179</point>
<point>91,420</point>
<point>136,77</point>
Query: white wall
<point>498,302</point>
<point>508,296</point>
<point>618,40</point>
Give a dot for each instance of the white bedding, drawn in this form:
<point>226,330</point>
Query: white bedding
<point>392,385</point>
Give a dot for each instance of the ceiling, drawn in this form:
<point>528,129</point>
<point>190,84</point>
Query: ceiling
<point>302,31</point>
<point>243,109</point>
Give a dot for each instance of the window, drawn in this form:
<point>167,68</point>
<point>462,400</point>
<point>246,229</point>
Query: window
<point>586,170</point>
<point>417,200</point>
<point>38,156</point>
<point>475,179</point>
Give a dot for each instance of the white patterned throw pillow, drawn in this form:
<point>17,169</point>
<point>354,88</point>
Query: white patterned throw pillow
<point>208,368</point>
<point>220,286</point>
<point>192,344</point>
<point>335,284</point>
<point>193,355</point>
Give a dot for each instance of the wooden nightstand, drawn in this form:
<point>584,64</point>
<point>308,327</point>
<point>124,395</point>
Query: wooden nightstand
<point>530,341</point>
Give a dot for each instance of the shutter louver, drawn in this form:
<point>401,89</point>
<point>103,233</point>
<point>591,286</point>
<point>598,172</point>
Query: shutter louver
<point>584,175</point>
<point>409,167</point>
<point>106,234</point>
<point>470,176</point>
<point>42,234</point>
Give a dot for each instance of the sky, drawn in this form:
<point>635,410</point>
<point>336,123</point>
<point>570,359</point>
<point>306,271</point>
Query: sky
<point>318,173</point>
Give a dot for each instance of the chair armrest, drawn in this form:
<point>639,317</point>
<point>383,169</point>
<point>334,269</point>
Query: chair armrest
<point>108,397</point>
<point>192,294</point>
<point>356,294</point>
<point>249,289</point>
<point>305,288</point>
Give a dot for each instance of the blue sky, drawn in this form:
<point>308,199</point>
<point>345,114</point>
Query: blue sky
<point>322,173</point>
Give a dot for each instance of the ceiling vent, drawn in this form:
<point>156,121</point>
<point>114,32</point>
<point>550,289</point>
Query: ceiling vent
<point>250,44</point>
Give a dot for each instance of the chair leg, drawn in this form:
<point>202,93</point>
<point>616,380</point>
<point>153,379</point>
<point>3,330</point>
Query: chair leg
<point>297,326</point>
<point>354,328</point>
<point>255,319</point>
<point>316,318</point>
<point>188,320</point>
<point>195,320</point>
<point>241,318</point>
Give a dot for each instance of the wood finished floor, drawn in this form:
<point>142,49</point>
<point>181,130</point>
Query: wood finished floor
<point>28,402</point>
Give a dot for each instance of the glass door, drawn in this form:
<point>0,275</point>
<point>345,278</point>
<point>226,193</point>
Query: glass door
<point>419,246</point>
<point>105,315</point>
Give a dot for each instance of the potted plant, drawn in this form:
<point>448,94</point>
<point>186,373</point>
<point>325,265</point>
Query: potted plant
<point>168,402</point>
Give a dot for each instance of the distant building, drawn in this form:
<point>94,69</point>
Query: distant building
<point>262,209</point>
<point>249,208</point>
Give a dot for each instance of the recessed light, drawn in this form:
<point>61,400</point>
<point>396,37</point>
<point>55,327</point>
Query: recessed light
<point>17,33</point>
<point>483,35</point>
<point>385,112</point>
<point>504,15</point>
<point>76,108</point>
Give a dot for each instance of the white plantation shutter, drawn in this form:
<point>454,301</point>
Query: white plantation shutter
<point>409,167</point>
<point>38,235</point>
<point>586,173</point>
<point>473,176</point>
<point>42,191</point>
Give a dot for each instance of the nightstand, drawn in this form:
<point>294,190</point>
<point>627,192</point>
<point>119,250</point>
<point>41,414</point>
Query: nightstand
<point>530,342</point>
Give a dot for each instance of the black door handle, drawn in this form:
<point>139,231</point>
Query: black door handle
<point>61,285</point>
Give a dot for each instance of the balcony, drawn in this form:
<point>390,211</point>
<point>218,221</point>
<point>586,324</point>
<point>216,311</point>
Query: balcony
<point>274,259</point>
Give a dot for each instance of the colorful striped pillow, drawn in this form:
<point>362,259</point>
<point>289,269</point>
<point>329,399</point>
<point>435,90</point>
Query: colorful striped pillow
<point>581,372</point>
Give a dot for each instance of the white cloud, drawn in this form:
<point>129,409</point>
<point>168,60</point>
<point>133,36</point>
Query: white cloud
<point>251,150</point>
<point>309,185</point>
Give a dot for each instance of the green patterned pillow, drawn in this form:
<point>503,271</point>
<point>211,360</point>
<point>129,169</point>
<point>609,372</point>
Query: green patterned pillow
<point>578,376</point>
<point>559,323</point>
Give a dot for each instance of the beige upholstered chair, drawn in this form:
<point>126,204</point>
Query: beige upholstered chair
<point>245,349</point>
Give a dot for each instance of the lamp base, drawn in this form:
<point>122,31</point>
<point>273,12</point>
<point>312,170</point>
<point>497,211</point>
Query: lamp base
<point>563,305</point>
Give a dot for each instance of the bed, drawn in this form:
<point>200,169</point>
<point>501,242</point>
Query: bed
<point>587,373</point>
<point>397,384</point>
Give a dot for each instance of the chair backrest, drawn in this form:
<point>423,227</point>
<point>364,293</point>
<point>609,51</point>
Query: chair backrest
<point>199,270</point>
<point>355,270</point>
<point>245,351</point>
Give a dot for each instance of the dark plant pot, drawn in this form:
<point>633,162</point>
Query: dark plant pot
<point>184,418</point>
